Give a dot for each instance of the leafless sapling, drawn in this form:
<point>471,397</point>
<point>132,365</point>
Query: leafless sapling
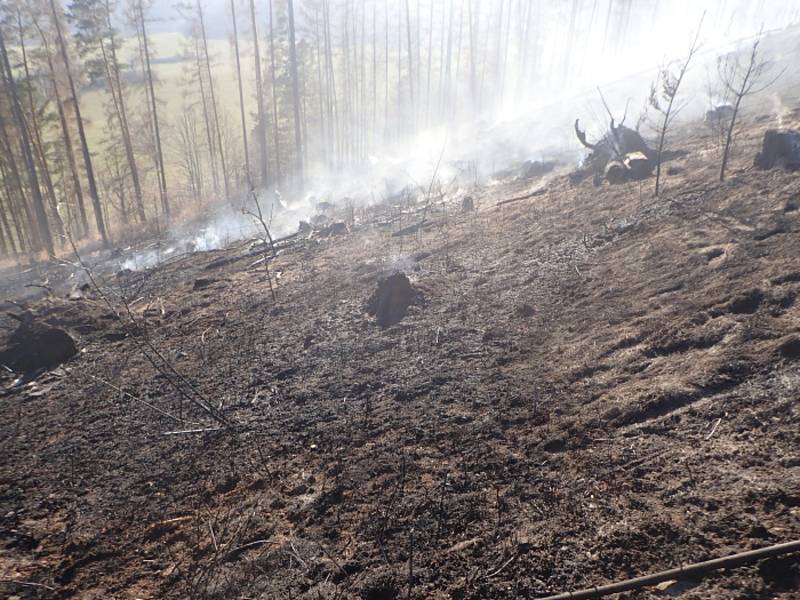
<point>742,79</point>
<point>663,95</point>
<point>268,243</point>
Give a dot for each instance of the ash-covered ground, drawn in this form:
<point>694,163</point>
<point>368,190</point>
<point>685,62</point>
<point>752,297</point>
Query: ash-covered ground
<point>584,385</point>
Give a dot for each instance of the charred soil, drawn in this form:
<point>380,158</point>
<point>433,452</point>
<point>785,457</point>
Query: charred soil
<point>599,384</point>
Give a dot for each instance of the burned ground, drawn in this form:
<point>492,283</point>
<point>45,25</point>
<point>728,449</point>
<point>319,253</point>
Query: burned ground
<point>599,384</point>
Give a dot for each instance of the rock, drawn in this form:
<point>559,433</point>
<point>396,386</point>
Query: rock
<point>35,346</point>
<point>390,302</point>
<point>331,230</point>
<point>747,303</point>
<point>719,115</point>
<point>467,204</point>
<point>202,283</point>
<point>790,348</point>
<point>780,148</point>
<point>638,165</point>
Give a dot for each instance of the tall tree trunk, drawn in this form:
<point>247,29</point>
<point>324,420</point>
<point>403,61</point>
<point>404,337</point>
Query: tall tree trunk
<point>274,77</point>
<point>11,209</point>
<point>212,149</point>
<point>330,76</point>
<point>473,50</point>
<point>9,247</point>
<point>36,135</point>
<point>374,139</point>
<point>162,176</point>
<point>446,63</point>
<point>295,94</point>
<point>42,237</point>
<point>87,158</point>
<point>214,111</point>
<point>262,129</point>
<point>410,67</point>
<point>323,125</point>
<point>122,116</point>
<point>430,66</point>
<point>386,74</point>
<point>66,135</point>
<point>241,91</point>
<point>506,43</point>
<point>453,106</point>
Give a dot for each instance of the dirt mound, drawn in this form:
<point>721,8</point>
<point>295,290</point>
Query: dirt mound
<point>390,302</point>
<point>781,148</point>
<point>35,346</point>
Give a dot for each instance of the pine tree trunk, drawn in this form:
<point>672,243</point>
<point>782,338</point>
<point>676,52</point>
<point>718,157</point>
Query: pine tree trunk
<point>386,75</point>
<point>212,149</point>
<point>323,125</point>
<point>122,116</point>
<point>330,76</point>
<point>262,129</point>
<point>430,66</point>
<point>447,61</point>
<point>473,50</point>
<point>36,137</point>
<point>66,135</point>
<point>41,237</point>
<point>410,67</point>
<point>295,95</point>
<point>11,210</point>
<point>87,158</point>
<point>214,111</point>
<point>274,77</point>
<point>5,229</point>
<point>162,176</point>
<point>241,92</point>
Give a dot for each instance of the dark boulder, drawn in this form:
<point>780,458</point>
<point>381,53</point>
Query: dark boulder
<point>34,346</point>
<point>719,116</point>
<point>390,302</point>
<point>781,148</point>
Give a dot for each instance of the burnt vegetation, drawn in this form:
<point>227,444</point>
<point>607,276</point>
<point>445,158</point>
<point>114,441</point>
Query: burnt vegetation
<point>512,378</point>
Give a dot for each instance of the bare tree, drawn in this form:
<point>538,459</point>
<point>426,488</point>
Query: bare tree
<point>742,79</point>
<point>669,81</point>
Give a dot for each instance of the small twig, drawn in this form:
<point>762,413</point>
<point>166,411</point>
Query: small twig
<point>27,584</point>
<point>137,399</point>
<point>213,537</point>
<point>714,429</point>
<point>188,431</point>
<point>296,556</point>
<point>503,566</point>
<point>244,547</point>
<point>329,555</point>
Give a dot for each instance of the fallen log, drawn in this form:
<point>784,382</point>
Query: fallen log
<point>701,568</point>
<point>533,194</point>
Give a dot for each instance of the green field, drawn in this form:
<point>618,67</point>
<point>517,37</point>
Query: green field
<point>173,68</point>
